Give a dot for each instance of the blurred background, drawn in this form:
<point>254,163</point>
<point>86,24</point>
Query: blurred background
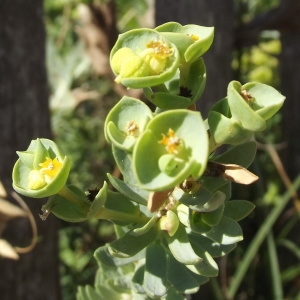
<point>56,82</point>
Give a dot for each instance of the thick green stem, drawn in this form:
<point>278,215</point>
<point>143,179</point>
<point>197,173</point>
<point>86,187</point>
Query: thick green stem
<point>184,73</point>
<point>161,88</point>
<point>212,146</point>
<point>69,195</point>
<point>109,214</point>
<point>259,238</point>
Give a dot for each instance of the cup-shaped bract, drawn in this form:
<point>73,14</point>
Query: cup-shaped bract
<point>223,128</point>
<point>173,147</point>
<point>126,121</point>
<point>143,58</point>
<point>264,99</point>
<point>191,40</point>
<point>234,119</point>
<point>253,103</point>
<point>41,171</point>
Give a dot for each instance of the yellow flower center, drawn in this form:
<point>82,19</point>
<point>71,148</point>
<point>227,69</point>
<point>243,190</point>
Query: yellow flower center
<point>50,167</point>
<point>161,49</point>
<point>37,179</point>
<point>131,127</point>
<point>170,141</point>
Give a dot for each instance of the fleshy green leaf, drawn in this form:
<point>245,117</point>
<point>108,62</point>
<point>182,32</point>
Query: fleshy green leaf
<point>197,224</point>
<point>181,248</point>
<point>129,245</point>
<point>126,190</point>
<point>213,248</point>
<point>226,232</point>
<point>183,279</point>
<point>238,209</point>
<point>98,202</point>
<point>172,294</point>
<point>212,204</point>
<point>155,283</point>
<point>138,279</point>
<point>65,209</point>
<point>103,256</point>
<point>212,218</point>
<point>207,267</point>
<point>242,155</point>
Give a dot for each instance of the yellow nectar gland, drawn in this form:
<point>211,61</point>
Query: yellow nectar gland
<point>193,36</point>
<point>50,168</point>
<point>161,49</point>
<point>131,127</point>
<point>171,142</point>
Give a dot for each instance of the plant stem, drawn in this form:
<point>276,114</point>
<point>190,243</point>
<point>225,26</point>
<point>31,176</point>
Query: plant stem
<point>69,195</point>
<point>259,238</point>
<point>287,228</point>
<point>161,88</point>
<point>109,214</point>
<point>216,288</point>
<point>274,268</point>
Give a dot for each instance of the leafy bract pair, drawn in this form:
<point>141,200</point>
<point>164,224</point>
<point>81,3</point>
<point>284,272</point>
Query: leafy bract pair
<point>165,148</point>
<point>165,61</point>
<point>245,110</point>
<point>41,171</point>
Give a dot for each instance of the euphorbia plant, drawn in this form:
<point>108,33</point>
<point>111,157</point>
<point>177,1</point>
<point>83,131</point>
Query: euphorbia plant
<point>171,209</point>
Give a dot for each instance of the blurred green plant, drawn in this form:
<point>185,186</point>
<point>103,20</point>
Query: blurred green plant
<point>260,62</point>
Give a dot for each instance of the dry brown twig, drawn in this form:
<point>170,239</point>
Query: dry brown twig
<point>271,149</point>
<point>9,211</point>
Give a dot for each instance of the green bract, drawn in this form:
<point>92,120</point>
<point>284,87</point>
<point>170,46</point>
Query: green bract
<point>244,111</point>
<point>143,58</point>
<point>41,171</point>
<point>173,146</point>
<point>126,121</point>
<point>192,41</point>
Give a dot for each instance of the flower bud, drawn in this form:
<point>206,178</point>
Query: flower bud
<point>36,180</point>
<point>169,222</point>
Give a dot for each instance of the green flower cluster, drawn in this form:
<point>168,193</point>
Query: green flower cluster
<point>171,208</point>
<point>163,148</point>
